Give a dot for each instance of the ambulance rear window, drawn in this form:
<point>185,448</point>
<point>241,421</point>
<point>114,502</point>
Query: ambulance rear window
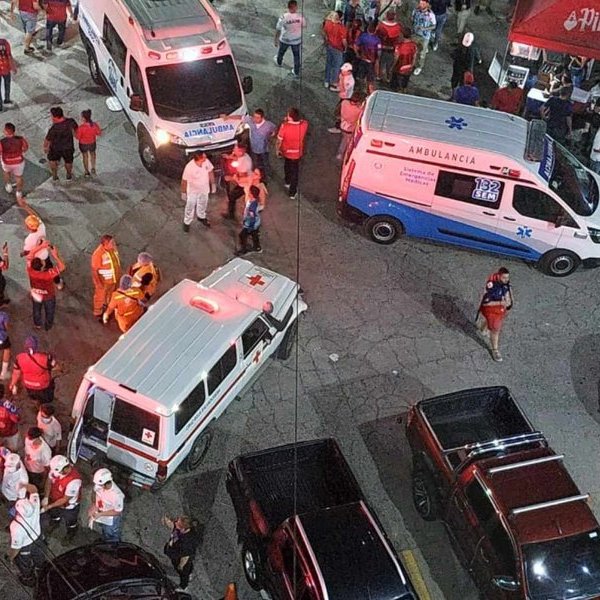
<point>135,423</point>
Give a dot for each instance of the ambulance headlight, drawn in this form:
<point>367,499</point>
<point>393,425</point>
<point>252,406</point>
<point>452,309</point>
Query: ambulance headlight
<point>164,137</point>
<point>594,234</point>
<point>241,128</point>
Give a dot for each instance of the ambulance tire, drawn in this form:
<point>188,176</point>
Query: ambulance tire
<point>93,67</point>
<point>559,263</point>
<point>251,563</point>
<point>147,152</point>
<point>196,455</point>
<point>287,343</point>
<point>383,229</point>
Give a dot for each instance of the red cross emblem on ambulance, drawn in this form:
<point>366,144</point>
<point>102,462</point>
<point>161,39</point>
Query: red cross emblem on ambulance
<point>256,358</point>
<point>255,280</point>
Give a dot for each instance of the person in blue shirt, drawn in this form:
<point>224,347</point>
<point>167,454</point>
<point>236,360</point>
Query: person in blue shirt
<point>467,93</point>
<point>250,223</point>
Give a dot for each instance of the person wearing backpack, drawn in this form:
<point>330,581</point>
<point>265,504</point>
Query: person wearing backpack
<point>389,31</point>
<point>181,547</point>
<point>35,369</point>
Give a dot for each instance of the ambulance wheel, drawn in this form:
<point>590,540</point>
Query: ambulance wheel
<point>94,68</point>
<point>383,229</point>
<point>251,565</point>
<point>147,152</point>
<point>559,263</point>
<point>198,451</point>
<point>287,344</point>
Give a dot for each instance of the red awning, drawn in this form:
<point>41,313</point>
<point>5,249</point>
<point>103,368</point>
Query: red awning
<point>570,26</point>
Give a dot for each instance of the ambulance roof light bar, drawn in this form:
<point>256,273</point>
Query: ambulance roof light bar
<point>205,304</point>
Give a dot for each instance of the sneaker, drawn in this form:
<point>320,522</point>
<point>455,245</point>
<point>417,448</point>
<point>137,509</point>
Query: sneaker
<point>255,251</point>
<point>326,85</point>
<point>334,130</point>
<point>417,71</point>
<point>293,74</point>
<point>286,186</point>
<point>435,47</point>
<point>186,228</point>
<point>54,177</point>
<point>8,101</point>
<point>29,50</point>
<point>275,61</point>
<point>204,221</point>
<point>294,197</point>
<point>69,176</point>
<point>9,188</point>
<point>87,175</point>
<point>496,356</point>
<point>334,88</point>
<point>93,171</point>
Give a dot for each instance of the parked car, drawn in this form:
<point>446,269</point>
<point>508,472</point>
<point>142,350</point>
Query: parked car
<point>322,542</point>
<point>105,571</point>
<point>514,515</point>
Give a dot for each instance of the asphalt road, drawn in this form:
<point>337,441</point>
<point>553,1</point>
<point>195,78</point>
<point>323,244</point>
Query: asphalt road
<point>399,318</point>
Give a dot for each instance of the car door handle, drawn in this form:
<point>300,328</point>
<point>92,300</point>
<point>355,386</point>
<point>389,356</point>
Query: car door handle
<point>509,219</point>
<point>490,214</point>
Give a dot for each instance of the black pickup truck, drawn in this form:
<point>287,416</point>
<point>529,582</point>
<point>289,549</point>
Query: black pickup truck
<point>306,530</point>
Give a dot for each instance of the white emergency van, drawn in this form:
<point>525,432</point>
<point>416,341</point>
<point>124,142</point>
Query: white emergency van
<point>148,403</point>
<point>170,65</point>
<point>471,177</point>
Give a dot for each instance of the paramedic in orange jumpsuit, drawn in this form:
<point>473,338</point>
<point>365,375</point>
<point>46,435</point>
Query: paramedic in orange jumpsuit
<point>106,272</point>
<point>145,274</point>
<point>127,303</point>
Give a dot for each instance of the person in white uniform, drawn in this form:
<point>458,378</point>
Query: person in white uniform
<point>37,457</point>
<point>197,181</point>
<point>15,479</point>
<point>26,542</point>
<point>107,510</point>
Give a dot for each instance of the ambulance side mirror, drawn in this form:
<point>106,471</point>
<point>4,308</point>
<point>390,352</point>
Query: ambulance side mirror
<point>136,103</point>
<point>247,84</point>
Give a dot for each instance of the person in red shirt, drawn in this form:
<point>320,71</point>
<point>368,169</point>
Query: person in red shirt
<point>405,59</point>
<point>290,146</point>
<point>508,99</point>
<point>57,12</point>
<point>28,12</point>
<point>87,133</point>
<point>35,370</point>
<point>10,416</point>
<point>12,149</point>
<point>43,288</point>
<point>389,32</point>
<point>7,66</point>
<point>354,31</point>
<point>334,34</point>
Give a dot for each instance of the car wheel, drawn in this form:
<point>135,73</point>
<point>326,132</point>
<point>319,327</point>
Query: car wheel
<point>559,263</point>
<point>198,451</point>
<point>287,344</point>
<point>383,229</point>
<point>94,68</point>
<point>147,152</point>
<point>251,566</point>
<point>425,495</point>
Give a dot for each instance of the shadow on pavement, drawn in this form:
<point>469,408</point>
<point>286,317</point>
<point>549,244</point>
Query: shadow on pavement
<point>391,453</point>
<point>585,373</point>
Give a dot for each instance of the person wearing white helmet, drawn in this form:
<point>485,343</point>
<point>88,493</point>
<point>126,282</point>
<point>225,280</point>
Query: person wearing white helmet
<point>107,509</point>
<point>26,542</point>
<point>15,479</point>
<point>62,497</point>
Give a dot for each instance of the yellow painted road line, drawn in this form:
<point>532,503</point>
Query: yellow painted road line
<point>410,562</point>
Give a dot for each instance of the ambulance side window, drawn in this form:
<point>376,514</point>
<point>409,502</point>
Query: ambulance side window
<point>533,203</point>
<point>220,371</point>
<point>114,44</point>
<point>481,191</point>
<point>252,336</point>
<point>135,78</point>
<point>190,406</point>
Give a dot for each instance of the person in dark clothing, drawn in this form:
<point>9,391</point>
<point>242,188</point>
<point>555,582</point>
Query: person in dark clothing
<point>4,262</point>
<point>59,144</point>
<point>464,60</point>
<point>557,114</point>
<point>181,547</point>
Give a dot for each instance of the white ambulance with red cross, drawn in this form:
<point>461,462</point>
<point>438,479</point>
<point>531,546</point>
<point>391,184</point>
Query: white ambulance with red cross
<point>148,403</point>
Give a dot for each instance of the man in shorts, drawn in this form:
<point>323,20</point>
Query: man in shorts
<point>28,11</point>
<point>59,144</point>
<point>12,149</point>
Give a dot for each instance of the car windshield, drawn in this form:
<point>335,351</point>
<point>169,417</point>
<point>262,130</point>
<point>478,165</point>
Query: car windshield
<point>564,569</point>
<point>192,91</point>
<point>573,183</point>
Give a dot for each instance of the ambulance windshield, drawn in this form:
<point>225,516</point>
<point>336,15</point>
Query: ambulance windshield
<point>573,183</point>
<point>189,92</point>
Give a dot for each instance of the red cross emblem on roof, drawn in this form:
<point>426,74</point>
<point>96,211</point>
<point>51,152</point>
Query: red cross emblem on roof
<point>255,280</point>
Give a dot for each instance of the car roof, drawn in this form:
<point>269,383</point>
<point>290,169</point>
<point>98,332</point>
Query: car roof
<point>87,568</point>
<point>430,119</point>
<point>165,353</point>
<point>539,478</point>
<point>353,556</point>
